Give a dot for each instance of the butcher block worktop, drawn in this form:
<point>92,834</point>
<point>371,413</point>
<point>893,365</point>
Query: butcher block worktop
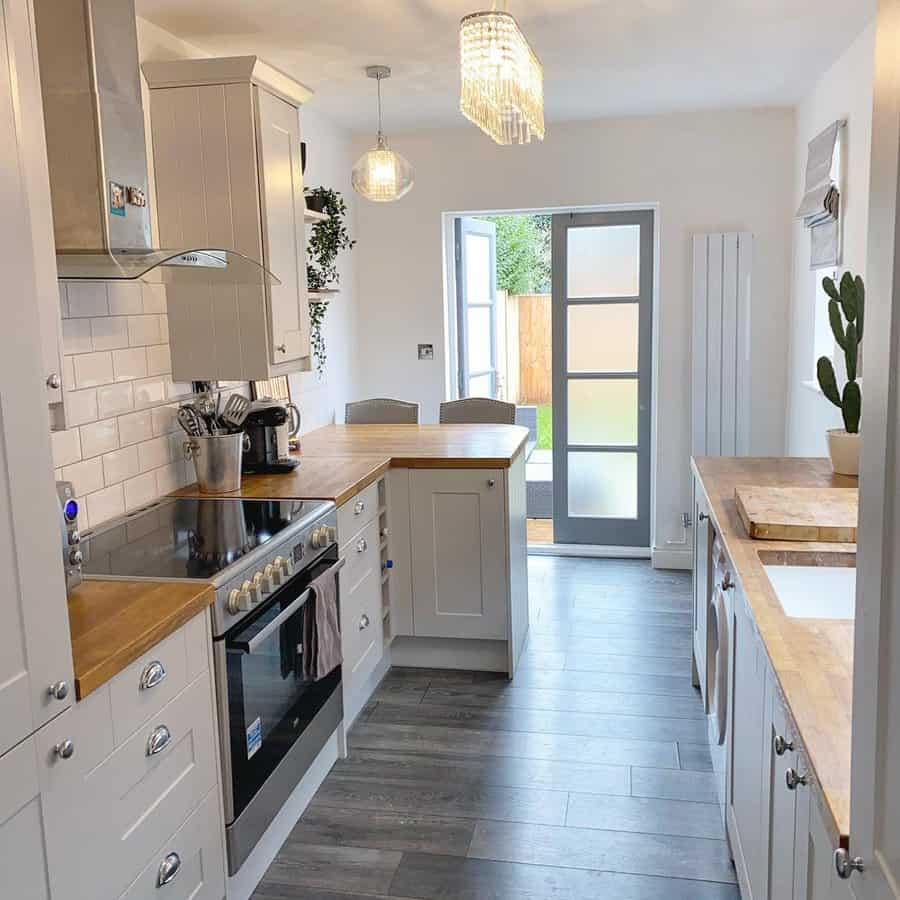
<point>338,461</point>
<point>812,658</point>
<point>113,622</point>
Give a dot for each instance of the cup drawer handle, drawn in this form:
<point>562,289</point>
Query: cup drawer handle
<point>159,739</point>
<point>154,672</point>
<point>362,545</point>
<point>168,869</point>
<point>363,622</point>
<point>359,507</point>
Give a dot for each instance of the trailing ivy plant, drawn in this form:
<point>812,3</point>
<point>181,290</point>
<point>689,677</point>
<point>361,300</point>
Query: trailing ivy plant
<point>846,302</point>
<point>327,238</point>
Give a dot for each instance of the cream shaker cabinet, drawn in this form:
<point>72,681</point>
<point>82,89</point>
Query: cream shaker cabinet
<point>227,168</point>
<point>459,543</point>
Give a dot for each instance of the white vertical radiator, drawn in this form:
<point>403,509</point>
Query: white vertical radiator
<point>720,358</point>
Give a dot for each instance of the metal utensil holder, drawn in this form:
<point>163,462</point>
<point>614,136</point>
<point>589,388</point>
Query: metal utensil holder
<point>217,460</point>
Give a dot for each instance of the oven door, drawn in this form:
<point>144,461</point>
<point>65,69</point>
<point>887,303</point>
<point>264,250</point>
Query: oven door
<point>271,699</point>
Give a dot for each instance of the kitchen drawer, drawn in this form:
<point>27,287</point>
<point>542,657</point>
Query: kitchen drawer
<point>363,554</point>
<point>198,848</point>
<point>358,511</point>
<point>182,657</point>
<point>361,628</point>
<point>129,802</point>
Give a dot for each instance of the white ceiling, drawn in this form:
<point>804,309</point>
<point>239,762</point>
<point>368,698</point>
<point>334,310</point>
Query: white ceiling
<point>607,57</point>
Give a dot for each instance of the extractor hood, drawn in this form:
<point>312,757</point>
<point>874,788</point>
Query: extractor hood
<point>97,152</point>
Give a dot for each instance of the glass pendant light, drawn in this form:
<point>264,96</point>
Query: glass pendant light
<point>381,174</point>
<point>501,78</point>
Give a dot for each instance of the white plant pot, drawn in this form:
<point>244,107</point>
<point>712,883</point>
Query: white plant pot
<point>844,451</point>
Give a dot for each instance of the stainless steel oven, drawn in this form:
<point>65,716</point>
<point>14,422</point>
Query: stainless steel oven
<point>274,718</point>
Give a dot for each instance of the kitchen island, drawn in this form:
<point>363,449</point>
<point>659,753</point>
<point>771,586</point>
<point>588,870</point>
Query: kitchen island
<point>786,754</point>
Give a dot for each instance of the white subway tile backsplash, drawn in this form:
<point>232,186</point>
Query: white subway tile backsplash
<point>164,328</point>
<point>130,364</point>
<point>155,453</point>
<point>68,373</point>
<point>66,447</point>
<point>109,332</point>
<point>93,369</point>
<point>169,478</point>
<point>120,465</point>
<point>87,299</point>
<point>63,300</point>
<point>154,297</point>
<point>143,331</point>
<point>149,391</point>
<point>86,476</point>
<point>105,504</point>
<point>164,421</point>
<point>99,437</point>
<point>125,299</point>
<point>140,491</point>
<point>81,407</point>
<point>76,336</point>
<point>115,399</point>
<point>159,360</point>
<point>177,389</point>
<point>136,426</point>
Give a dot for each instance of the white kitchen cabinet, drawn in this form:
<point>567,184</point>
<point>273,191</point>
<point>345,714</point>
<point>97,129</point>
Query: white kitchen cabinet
<point>226,151</point>
<point>460,584</point>
<point>747,742</point>
<point>702,544</point>
<point>35,650</point>
<point>23,859</point>
<point>815,875</point>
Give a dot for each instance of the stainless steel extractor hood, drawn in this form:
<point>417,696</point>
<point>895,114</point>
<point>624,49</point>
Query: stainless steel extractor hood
<point>97,152</point>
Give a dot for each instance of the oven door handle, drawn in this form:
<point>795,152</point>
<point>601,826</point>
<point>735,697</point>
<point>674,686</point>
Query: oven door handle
<point>264,634</point>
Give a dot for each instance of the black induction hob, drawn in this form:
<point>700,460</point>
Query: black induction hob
<point>188,538</point>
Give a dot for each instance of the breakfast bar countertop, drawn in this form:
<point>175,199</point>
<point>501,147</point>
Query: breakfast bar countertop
<point>812,658</point>
<point>113,622</point>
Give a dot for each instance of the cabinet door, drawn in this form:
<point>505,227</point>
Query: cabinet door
<point>22,855</point>
<point>780,803</point>
<point>817,879</point>
<point>459,553</point>
<point>281,179</point>
<point>35,649</point>
<point>746,751</point>
<point>702,542</point>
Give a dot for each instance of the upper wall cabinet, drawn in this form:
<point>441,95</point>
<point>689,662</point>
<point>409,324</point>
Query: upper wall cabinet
<point>226,155</point>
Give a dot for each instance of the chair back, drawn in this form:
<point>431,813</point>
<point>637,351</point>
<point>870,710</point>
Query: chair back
<point>478,411</point>
<point>381,411</point>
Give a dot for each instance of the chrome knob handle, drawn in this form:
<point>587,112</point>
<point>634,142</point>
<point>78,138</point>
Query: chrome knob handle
<point>845,864</point>
<point>727,583</point>
<point>491,482</point>
<point>793,779</point>
<point>282,348</point>
<point>76,558</point>
<point>362,545</point>
<point>154,672</point>
<point>168,869</point>
<point>702,517</point>
<point>74,538</point>
<point>782,745</point>
<point>359,508</point>
<point>65,749</point>
<point>364,622</point>
<point>59,690</point>
<point>159,739</point>
<point>54,381</point>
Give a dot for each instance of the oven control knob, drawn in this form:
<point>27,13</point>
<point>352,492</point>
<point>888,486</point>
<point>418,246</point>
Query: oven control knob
<point>256,590</point>
<point>233,603</point>
<point>249,595</point>
<point>277,572</point>
<point>263,580</point>
<point>319,538</point>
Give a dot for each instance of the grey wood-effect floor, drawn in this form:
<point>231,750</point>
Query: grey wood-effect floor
<point>587,777</point>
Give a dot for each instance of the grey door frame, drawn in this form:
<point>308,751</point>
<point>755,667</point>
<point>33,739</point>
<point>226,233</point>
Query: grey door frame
<point>462,226</point>
<point>588,530</point>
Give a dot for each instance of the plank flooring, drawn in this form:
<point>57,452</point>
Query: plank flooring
<point>587,777</point>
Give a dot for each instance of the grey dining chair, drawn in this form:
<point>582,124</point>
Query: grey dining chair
<point>381,411</point>
<point>478,410</point>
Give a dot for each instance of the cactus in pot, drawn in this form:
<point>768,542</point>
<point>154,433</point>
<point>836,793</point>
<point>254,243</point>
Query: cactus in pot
<point>846,308</point>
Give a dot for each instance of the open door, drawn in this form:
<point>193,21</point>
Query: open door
<point>476,288</point>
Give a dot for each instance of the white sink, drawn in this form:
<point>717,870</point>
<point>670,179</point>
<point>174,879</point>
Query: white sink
<point>815,592</point>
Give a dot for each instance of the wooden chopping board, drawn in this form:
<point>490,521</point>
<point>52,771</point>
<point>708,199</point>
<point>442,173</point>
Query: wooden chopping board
<point>799,514</point>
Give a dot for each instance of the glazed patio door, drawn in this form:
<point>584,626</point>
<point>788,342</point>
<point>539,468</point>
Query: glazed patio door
<point>602,346</point>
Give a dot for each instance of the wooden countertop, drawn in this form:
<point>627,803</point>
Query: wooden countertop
<point>812,658</point>
<point>338,461</point>
<point>113,622</point>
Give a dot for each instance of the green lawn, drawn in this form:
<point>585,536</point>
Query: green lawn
<point>545,427</point>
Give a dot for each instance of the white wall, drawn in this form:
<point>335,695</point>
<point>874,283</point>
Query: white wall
<point>707,172</point>
<point>843,92</point>
<point>328,162</point>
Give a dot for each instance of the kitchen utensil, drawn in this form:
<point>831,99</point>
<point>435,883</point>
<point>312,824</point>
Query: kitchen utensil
<point>190,421</point>
<point>217,460</point>
<point>235,412</point>
<point>206,408</point>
